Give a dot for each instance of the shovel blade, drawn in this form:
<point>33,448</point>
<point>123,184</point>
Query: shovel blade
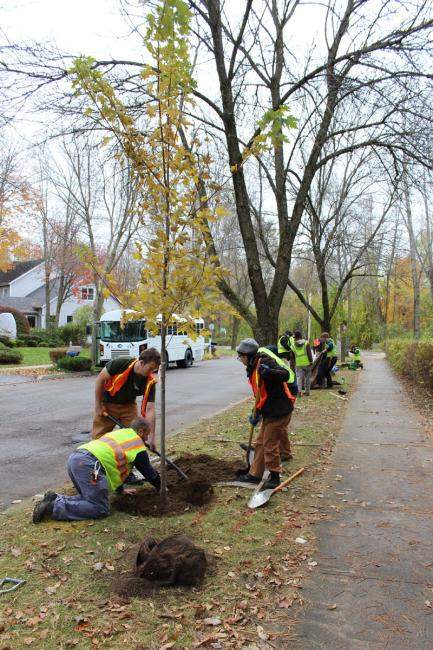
<point>259,499</point>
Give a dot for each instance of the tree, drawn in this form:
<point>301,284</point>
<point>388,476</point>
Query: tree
<point>177,276</point>
<point>102,194</point>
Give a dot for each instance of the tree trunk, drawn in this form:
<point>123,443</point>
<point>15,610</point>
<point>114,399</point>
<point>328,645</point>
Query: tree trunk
<point>429,265</point>
<point>413,263</point>
<point>60,298</point>
<point>98,305</point>
<point>163,493</point>
<point>48,324</point>
<point>236,323</point>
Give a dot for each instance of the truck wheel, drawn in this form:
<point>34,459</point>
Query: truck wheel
<point>187,361</point>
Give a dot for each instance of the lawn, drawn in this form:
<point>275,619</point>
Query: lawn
<point>69,568</point>
<point>38,357</point>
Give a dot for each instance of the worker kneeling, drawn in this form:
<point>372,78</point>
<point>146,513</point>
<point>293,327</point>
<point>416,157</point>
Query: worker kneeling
<point>271,380</point>
<point>97,468</point>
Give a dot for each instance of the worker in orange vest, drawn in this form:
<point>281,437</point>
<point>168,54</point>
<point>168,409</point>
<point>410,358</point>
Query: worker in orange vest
<point>117,387</point>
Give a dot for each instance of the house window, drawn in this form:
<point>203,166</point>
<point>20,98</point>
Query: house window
<point>69,319</point>
<point>4,291</point>
<point>87,293</point>
<point>32,321</point>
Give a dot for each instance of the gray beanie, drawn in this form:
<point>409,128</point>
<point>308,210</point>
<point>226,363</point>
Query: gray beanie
<point>247,346</point>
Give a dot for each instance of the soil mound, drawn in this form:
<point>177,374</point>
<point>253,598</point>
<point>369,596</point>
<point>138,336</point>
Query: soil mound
<point>174,561</point>
<point>202,471</point>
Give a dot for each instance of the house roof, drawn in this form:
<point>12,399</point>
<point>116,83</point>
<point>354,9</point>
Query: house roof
<point>18,269</point>
<point>38,295</point>
<point>27,305</point>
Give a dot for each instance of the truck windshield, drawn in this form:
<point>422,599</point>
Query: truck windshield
<point>133,331</point>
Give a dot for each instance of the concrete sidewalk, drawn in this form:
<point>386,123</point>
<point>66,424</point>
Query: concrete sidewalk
<point>375,557</point>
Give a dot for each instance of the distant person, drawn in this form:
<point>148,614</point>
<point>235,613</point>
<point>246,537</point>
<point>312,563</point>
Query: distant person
<point>285,343</point>
<point>328,360</point>
<point>355,352</point>
<point>97,468</point>
<point>117,387</point>
<point>303,359</point>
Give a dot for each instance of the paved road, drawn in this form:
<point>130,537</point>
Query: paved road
<point>372,587</point>
<point>39,419</point>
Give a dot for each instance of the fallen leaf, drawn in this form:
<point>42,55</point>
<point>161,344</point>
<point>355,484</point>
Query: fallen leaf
<point>312,563</point>
<point>28,640</point>
<point>120,546</point>
<point>427,603</point>
<point>52,590</point>
<point>285,603</point>
<point>261,633</point>
<point>213,620</point>
<point>334,606</point>
<point>300,540</point>
<point>98,566</point>
<point>110,567</point>
<point>16,552</point>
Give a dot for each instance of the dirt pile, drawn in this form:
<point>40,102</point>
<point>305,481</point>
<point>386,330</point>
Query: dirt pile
<point>174,561</point>
<point>202,471</point>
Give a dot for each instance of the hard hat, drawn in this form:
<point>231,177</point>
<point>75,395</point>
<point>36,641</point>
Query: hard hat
<point>247,346</point>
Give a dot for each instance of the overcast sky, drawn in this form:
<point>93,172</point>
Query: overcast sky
<point>83,26</point>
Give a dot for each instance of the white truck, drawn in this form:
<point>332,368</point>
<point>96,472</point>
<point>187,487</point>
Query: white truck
<point>116,341</point>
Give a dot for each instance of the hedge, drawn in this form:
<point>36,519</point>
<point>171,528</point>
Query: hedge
<point>74,363</point>
<point>10,356</point>
<point>413,359</point>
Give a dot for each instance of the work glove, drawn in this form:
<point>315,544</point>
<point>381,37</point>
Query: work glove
<point>264,370</point>
<point>254,419</point>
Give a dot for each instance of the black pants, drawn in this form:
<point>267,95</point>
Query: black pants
<point>325,371</point>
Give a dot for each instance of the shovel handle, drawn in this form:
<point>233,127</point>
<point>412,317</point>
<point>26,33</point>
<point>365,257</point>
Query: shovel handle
<point>288,480</point>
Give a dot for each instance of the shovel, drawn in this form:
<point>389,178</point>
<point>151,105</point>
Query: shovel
<point>250,451</point>
<point>259,499</point>
<point>167,460</point>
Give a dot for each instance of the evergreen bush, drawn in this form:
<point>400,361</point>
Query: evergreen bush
<point>74,364</point>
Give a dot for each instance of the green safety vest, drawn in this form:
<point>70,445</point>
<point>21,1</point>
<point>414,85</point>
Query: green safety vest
<point>282,348</point>
<point>356,354</point>
<point>301,356</point>
<point>281,362</point>
<point>116,451</point>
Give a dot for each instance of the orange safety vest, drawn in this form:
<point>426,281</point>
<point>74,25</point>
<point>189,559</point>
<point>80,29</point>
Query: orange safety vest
<point>115,383</point>
<point>260,392</point>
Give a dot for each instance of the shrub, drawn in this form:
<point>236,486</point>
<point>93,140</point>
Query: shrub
<point>57,353</point>
<point>74,363</point>
<point>72,332</point>
<point>23,326</point>
<point>30,340</point>
<point>9,343</point>
<point>43,344</point>
<point>10,356</point>
<point>414,359</point>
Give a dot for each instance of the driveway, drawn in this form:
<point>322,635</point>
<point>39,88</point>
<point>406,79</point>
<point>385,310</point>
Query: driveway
<point>39,419</point>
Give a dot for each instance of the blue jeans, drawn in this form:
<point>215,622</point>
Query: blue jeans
<point>91,502</point>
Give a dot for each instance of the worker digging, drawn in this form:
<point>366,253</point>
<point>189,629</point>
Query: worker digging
<point>273,383</point>
<point>117,387</point>
<point>97,468</point>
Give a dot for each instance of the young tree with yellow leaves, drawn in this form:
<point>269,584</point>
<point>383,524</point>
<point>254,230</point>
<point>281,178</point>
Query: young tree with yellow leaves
<point>177,274</point>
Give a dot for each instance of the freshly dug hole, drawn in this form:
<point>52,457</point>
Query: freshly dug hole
<point>175,561</point>
<point>202,470</point>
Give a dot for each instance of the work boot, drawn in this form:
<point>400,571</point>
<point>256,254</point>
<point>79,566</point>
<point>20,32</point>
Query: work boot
<point>43,510</point>
<point>50,496</point>
<point>249,478</point>
<point>272,482</point>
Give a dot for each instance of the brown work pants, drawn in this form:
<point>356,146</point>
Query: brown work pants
<point>125,413</point>
<point>271,441</point>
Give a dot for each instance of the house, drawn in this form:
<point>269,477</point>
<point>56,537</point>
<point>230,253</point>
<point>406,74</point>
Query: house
<point>23,287</point>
